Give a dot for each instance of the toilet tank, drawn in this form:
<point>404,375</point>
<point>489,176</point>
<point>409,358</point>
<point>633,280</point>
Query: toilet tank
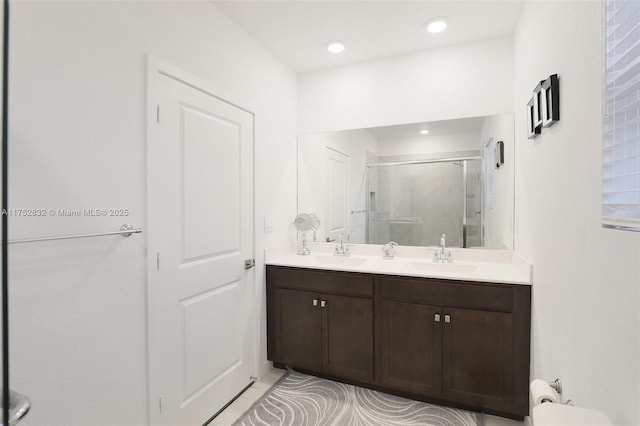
<point>550,414</point>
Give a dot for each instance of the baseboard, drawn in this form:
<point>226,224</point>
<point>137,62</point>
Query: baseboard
<point>265,368</point>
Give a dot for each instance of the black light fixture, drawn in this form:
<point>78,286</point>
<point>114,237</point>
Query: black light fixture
<point>550,101</point>
<point>543,110</point>
<point>498,154</point>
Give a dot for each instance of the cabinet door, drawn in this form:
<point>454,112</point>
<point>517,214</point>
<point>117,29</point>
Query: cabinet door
<point>409,347</point>
<point>477,357</point>
<point>347,337</point>
<point>300,329</point>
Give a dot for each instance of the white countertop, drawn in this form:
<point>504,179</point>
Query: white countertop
<point>495,266</point>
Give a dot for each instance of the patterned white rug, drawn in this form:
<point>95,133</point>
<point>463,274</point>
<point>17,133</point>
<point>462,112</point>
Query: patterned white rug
<point>302,400</point>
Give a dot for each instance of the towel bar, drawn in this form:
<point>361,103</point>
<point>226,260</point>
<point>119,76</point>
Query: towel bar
<point>125,230</point>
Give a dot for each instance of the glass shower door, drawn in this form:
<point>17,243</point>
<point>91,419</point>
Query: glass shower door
<point>14,405</point>
<point>414,203</point>
<point>473,204</point>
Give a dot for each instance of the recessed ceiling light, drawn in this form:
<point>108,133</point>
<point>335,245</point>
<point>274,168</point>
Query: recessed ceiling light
<point>424,132</point>
<point>436,25</point>
<point>335,46</point>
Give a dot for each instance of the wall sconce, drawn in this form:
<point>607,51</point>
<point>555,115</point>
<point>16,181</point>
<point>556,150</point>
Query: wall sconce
<point>543,110</point>
<point>550,101</point>
<point>498,154</point>
<point>532,129</point>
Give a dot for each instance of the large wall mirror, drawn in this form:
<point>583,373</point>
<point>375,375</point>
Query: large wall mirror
<point>412,183</point>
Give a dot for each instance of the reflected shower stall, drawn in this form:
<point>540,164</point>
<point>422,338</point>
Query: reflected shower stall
<point>414,202</point>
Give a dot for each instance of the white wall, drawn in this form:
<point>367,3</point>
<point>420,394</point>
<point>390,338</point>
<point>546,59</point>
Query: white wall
<point>430,146</point>
<point>466,80</point>
<point>78,119</point>
<point>586,325</point>
<point>312,179</point>
<point>498,220</point>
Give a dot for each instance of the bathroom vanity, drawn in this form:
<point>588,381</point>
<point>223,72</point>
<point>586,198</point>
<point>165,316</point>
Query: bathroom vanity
<point>452,341</point>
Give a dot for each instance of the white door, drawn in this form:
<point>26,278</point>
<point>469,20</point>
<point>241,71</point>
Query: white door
<point>336,192</point>
<point>200,231</point>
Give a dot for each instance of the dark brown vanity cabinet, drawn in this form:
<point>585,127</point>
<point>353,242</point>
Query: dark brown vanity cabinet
<point>321,322</point>
<point>409,347</point>
<point>445,341</point>
<point>300,327</point>
<point>458,337</point>
<point>477,358</point>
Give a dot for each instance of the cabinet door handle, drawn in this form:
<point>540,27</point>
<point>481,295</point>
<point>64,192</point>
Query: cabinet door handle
<point>315,302</point>
<point>447,318</point>
<point>436,317</point>
<point>323,303</point>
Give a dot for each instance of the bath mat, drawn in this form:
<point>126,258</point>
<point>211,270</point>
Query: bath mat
<point>303,400</point>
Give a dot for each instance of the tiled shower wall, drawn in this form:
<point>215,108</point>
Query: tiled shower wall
<point>415,204</point>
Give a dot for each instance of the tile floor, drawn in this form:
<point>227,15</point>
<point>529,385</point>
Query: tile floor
<point>242,404</point>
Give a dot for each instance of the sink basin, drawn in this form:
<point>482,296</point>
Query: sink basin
<point>339,260</point>
<point>447,268</point>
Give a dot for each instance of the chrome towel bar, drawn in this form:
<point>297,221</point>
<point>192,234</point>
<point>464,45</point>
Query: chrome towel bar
<point>125,230</point>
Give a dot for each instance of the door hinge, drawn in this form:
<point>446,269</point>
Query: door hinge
<point>158,261</point>
<point>160,404</point>
<point>249,263</point>
<point>158,114</point>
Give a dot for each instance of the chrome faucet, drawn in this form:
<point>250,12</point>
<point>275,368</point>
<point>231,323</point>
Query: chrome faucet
<point>341,248</point>
<point>441,254</point>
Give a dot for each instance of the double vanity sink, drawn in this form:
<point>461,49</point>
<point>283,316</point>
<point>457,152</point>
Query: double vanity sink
<point>496,266</point>
<point>402,266</point>
<point>448,333</point>
<point>397,265</point>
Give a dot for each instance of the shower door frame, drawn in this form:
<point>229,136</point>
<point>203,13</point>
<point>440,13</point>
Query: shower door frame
<point>429,161</point>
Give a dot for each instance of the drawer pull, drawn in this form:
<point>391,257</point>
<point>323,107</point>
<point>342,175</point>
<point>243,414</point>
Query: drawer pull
<point>436,317</point>
<point>323,303</point>
<point>447,319</point>
<point>315,302</point>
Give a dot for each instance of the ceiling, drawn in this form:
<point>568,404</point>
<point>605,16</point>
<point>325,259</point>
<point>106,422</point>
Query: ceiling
<point>299,31</point>
<point>472,124</point>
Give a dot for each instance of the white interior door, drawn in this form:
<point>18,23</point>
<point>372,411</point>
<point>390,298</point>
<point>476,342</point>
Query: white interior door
<point>336,192</point>
<point>200,231</point>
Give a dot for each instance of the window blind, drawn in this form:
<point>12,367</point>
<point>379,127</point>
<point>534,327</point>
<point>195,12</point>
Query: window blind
<point>621,122</point>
